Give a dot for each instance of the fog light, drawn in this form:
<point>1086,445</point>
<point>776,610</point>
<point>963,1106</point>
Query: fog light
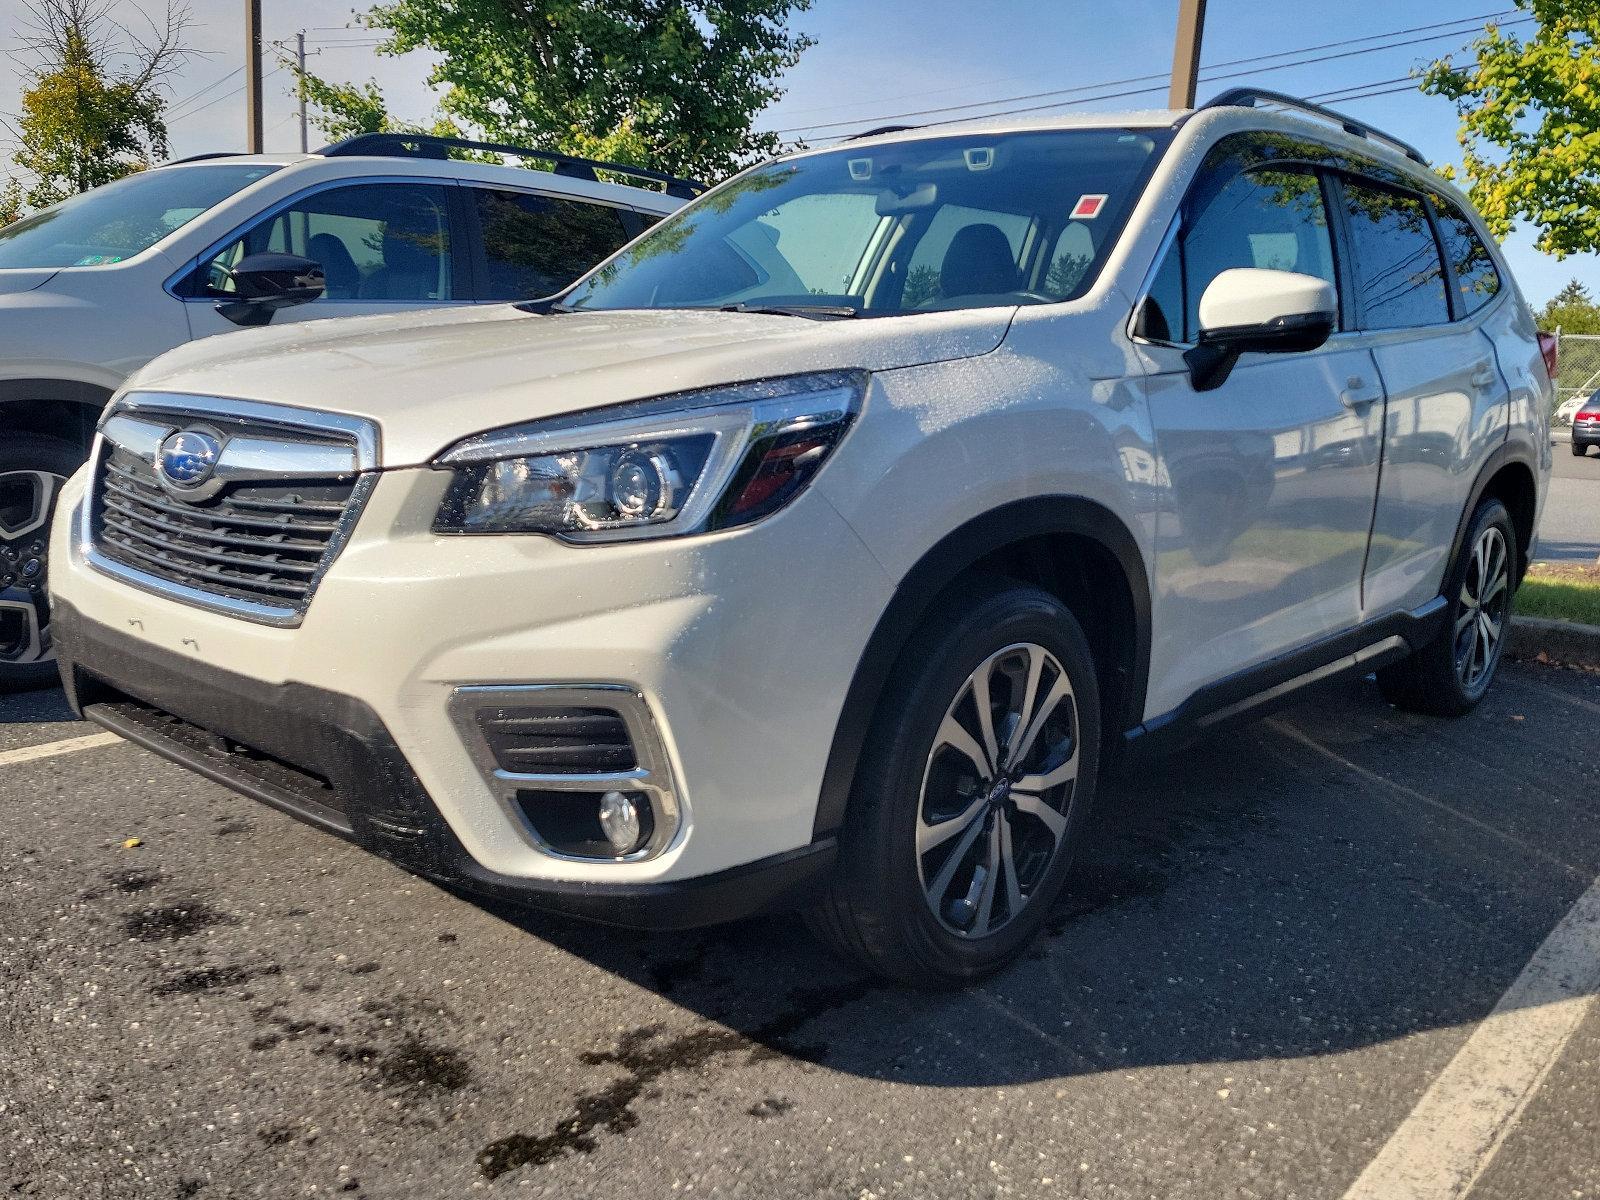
<point>622,820</point>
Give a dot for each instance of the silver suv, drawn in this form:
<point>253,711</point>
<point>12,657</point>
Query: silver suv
<point>820,546</point>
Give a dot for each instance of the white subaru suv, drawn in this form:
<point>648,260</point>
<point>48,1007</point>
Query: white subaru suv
<point>96,287</point>
<point>820,547</point>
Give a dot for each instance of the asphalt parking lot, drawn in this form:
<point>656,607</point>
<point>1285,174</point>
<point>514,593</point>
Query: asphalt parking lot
<point>1276,947</point>
<point>1570,528</point>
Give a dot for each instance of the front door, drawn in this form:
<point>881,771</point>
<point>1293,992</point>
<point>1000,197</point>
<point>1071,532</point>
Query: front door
<point>1272,476</point>
<point>383,246</point>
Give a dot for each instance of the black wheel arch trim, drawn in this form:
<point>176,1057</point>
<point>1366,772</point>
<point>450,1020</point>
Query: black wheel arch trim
<point>69,391</point>
<point>1508,453</point>
<point>941,566</point>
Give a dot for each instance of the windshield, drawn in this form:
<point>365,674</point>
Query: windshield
<point>941,223</point>
<point>122,219</point>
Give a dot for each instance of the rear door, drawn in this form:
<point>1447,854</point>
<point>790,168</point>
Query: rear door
<point>1445,410</point>
<point>534,245</point>
<point>1273,475</point>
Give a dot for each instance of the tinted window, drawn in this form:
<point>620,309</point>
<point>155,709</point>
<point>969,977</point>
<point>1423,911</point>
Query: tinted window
<point>1477,280</point>
<point>1399,279</point>
<point>375,241</point>
<point>122,219</point>
<point>1269,219</point>
<point>536,245</point>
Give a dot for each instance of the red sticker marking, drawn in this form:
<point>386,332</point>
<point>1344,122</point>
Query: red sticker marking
<point>1088,207</point>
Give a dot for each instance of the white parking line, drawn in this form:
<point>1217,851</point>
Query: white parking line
<point>1444,1146</point>
<point>10,758</point>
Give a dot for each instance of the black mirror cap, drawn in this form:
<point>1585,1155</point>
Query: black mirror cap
<point>1218,350</point>
<point>264,283</point>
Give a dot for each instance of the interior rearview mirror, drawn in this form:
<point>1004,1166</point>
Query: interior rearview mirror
<point>264,283</point>
<point>1252,311</point>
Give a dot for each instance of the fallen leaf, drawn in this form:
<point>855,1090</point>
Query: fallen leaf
<point>132,843</point>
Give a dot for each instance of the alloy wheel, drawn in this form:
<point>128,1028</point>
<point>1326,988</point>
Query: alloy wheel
<point>997,790</point>
<point>27,499</point>
<point>1485,602</point>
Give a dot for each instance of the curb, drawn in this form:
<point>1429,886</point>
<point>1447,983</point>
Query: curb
<point>1555,641</point>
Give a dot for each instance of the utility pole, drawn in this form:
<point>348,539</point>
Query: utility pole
<point>300,85</point>
<point>252,75</point>
<point>1186,53</point>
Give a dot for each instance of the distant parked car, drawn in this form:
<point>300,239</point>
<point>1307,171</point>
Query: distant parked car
<point>94,288</point>
<point>1586,426</point>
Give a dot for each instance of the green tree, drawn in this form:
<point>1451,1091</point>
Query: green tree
<point>92,99</point>
<point>1572,310</point>
<point>1530,124</point>
<point>10,202</point>
<point>670,84</point>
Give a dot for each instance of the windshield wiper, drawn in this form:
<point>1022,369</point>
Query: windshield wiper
<point>815,312</point>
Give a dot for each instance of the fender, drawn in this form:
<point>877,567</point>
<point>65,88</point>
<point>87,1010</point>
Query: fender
<point>927,580</point>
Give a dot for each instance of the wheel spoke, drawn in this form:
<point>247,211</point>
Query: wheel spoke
<point>1469,614</point>
<point>1055,777</point>
<point>1059,692</point>
<point>941,882</point>
<point>1015,746</point>
<point>1491,627</point>
<point>24,638</point>
<point>1008,863</point>
<point>1054,820</point>
<point>931,837</point>
<point>991,863</point>
<point>983,701</point>
<point>1499,585</point>
<point>954,735</point>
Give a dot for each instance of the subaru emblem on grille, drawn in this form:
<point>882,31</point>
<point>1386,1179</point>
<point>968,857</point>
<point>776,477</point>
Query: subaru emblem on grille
<point>187,459</point>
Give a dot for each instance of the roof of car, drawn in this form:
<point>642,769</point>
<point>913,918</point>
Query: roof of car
<point>521,177</point>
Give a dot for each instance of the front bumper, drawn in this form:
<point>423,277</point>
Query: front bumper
<point>328,760</point>
<point>742,644</point>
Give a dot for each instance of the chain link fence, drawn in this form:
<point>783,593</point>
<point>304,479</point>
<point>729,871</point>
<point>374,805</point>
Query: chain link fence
<point>1580,373</point>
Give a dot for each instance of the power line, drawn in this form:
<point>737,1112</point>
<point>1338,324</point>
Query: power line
<point>1255,69</point>
<point>177,104</point>
<point>1467,21</point>
<point>219,99</point>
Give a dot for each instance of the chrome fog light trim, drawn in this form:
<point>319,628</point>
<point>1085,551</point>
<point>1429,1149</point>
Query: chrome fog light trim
<point>650,777</point>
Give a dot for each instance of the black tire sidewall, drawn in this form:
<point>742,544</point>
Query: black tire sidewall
<point>35,452</point>
<point>946,650</point>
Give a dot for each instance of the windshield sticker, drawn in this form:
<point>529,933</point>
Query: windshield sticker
<point>1088,207</point>
<point>98,260</point>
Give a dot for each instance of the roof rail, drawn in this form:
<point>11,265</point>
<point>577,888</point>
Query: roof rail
<point>1249,97</point>
<point>428,145</point>
<point>881,129</point>
<point>172,162</point>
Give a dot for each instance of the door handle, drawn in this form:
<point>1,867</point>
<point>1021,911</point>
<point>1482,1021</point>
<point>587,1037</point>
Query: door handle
<point>1484,376</point>
<point>1356,395</point>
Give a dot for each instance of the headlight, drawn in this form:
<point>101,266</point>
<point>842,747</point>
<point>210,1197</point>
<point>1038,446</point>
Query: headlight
<point>683,464</point>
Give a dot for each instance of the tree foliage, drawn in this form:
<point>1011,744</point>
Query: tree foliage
<point>670,84</point>
<point>10,202</point>
<point>1530,124</point>
<point>92,102</point>
<point>1572,310</point>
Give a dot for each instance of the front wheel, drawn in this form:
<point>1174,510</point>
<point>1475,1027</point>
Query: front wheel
<point>1452,673</point>
<point>971,790</point>
<point>32,470</point>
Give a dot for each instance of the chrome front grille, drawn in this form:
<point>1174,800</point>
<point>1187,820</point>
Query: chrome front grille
<point>254,537</point>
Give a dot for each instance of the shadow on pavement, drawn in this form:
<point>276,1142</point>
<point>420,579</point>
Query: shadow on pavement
<point>43,704</point>
<point>1338,875</point>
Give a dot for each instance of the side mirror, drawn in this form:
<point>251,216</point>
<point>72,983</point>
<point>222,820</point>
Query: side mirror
<point>264,283</point>
<point>1247,311</point>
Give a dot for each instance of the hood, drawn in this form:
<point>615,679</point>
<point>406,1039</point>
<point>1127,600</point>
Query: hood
<point>431,378</point>
<point>15,280</point>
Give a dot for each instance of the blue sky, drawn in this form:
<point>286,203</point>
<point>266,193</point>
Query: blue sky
<point>876,59</point>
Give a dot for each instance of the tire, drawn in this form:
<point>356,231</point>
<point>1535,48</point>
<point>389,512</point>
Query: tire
<point>1580,449</point>
<point>1440,678</point>
<point>32,469</point>
<point>876,909</point>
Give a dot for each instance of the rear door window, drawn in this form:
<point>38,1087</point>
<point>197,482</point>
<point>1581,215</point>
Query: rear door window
<point>1477,278</point>
<point>1399,275</point>
<point>535,245</point>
